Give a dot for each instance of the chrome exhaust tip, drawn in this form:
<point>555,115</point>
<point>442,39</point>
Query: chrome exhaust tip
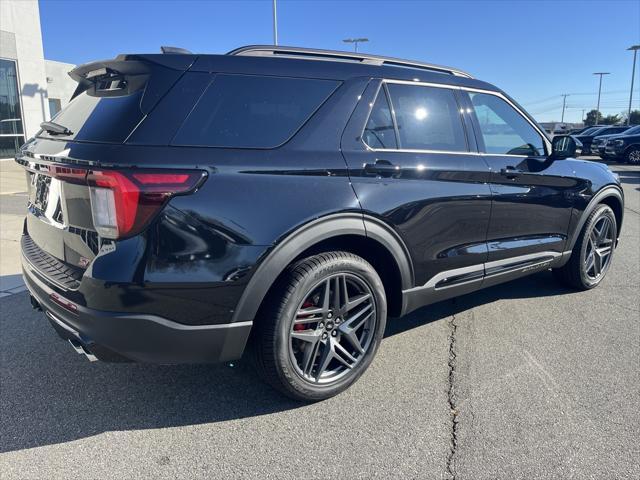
<point>80,349</point>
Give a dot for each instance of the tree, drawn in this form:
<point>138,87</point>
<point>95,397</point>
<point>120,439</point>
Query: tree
<point>591,118</point>
<point>635,117</point>
<point>609,119</point>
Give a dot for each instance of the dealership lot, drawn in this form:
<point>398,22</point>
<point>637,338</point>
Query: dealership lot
<point>542,382</point>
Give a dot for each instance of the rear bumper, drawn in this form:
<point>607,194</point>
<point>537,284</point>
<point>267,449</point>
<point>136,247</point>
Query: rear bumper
<point>136,337</point>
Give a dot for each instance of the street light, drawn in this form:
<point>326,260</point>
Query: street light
<point>599,91</point>
<point>275,24</point>
<point>355,42</point>
<point>635,49</point>
<point>564,104</point>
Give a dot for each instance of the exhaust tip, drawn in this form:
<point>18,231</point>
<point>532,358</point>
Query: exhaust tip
<point>35,304</point>
<point>81,349</point>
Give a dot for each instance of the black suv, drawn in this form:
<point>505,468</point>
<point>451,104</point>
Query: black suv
<point>183,207</point>
<point>625,146</point>
<point>588,138</point>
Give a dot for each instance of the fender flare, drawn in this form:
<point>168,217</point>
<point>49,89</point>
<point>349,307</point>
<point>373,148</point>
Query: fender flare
<point>308,235</point>
<point>606,192</point>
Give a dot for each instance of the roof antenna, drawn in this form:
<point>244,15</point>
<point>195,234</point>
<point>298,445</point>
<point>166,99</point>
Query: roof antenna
<point>174,50</point>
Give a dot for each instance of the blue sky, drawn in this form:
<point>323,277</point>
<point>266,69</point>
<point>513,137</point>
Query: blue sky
<point>535,50</point>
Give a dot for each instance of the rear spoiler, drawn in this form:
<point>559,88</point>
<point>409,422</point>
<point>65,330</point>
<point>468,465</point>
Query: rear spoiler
<point>126,74</point>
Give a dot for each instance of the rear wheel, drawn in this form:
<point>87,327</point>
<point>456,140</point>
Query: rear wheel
<point>321,326</point>
<point>593,252</point>
<point>633,156</point>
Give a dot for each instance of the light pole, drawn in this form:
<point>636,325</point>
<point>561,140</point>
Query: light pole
<point>355,42</point>
<point>599,91</point>
<point>635,49</point>
<point>564,104</point>
<point>275,23</point>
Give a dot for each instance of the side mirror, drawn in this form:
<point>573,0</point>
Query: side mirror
<point>565,146</point>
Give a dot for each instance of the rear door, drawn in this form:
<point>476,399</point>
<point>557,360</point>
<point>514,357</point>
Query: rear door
<point>413,164</point>
<point>532,195</point>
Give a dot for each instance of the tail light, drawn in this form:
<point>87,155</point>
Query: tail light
<point>123,203</point>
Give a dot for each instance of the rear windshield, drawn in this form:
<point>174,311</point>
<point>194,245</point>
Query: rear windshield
<point>249,111</point>
<point>99,119</point>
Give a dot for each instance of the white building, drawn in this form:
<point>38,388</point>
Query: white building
<point>32,89</point>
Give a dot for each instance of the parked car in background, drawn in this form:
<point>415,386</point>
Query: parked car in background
<point>586,137</point>
<point>599,142</point>
<point>183,207</point>
<point>624,147</point>
<point>578,131</point>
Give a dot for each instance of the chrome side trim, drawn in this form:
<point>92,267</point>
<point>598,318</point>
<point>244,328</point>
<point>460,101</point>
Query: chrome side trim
<point>433,281</point>
<point>505,262</point>
<point>514,267</point>
<point>544,257</point>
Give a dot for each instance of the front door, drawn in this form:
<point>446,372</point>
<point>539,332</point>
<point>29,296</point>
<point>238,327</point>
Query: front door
<point>413,163</point>
<point>532,195</point>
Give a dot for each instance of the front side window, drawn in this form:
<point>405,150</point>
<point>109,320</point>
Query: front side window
<point>428,118</point>
<point>504,130</point>
<point>380,132</point>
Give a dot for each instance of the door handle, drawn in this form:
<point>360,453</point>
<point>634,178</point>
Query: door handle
<point>510,172</point>
<point>381,167</point>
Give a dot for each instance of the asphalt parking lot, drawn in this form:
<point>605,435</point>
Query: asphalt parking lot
<point>523,380</point>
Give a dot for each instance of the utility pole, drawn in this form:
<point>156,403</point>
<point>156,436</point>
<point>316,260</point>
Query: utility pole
<point>635,49</point>
<point>599,92</point>
<point>355,42</point>
<point>564,104</point>
<point>275,23</point>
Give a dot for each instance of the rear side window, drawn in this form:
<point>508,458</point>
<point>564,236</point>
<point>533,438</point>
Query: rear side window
<point>247,111</point>
<point>428,118</point>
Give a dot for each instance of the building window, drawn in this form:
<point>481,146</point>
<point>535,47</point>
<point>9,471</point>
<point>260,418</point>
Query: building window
<point>54,107</point>
<point>11,129</point>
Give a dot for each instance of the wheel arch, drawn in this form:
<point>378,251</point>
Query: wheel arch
<point>362,235</point>
<point>610,195</point>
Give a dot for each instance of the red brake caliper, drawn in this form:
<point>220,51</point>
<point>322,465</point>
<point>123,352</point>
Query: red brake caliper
<point>303,326</point>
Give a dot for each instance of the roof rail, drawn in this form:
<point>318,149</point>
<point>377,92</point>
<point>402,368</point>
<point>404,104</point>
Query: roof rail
<point>335,55</point>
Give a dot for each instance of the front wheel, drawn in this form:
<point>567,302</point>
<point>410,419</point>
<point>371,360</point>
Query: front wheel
<point>592,254</point>
<point>321,326</point>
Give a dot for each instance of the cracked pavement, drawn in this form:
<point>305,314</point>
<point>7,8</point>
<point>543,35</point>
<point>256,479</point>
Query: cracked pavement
<point>523,380</point>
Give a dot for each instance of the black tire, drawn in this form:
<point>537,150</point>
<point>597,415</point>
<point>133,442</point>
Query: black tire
<point>575,273</point>
<point>274,337</point>
<point>632,156</point>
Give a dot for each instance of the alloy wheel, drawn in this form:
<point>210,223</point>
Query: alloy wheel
<point>333,329</point>
<point>599,248</point>
<point>634,156</point>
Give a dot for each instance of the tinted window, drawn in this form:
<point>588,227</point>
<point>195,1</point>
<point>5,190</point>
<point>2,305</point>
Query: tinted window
<point>252,111</point>
<point>589,131</point>
<point>611,130</point>
<point>504,130</point>
<point>100,119</point>
<point>379,132</point>
<point>428,118</point>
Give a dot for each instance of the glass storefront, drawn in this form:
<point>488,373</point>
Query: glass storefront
<point>11,126</point>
